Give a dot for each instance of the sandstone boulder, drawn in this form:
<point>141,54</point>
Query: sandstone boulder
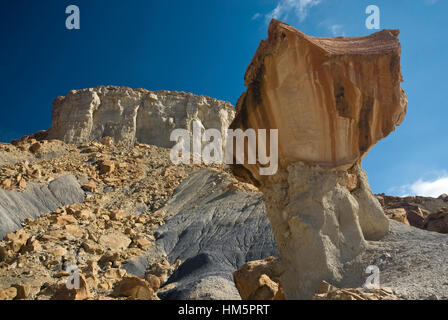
<point>397,214</point>
<point>62,292</point>
<point>134,288</point>
<point>114,241</point>
<point>258,280</point>
<point>437,222</point>
<point>23,291</point>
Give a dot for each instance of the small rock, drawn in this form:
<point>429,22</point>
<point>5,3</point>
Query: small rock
<point>397,214</point>
<point>153,281</point>
<point>22,184</point>
<point>92,247</point>
<point>63,293</point>
<point>115,274</point>
<point>17,240</point>
<point>114,241</point>
<point>267,289</point>
<point>64,219</point>
<point>106,167</point>
<point>325,287</point>
<point>59,251</point>
<point>90,186</point>
<point>6,184</point>
<point>23,291</point>
<point>8,294</point>
<point>116,215</point>
<point>35,147</point>
<point>134,288</point>
<point>142,242</point>
<point>83,214</point>
<point>74,230</point>
<point>107,141</point>
<point>32,245</point>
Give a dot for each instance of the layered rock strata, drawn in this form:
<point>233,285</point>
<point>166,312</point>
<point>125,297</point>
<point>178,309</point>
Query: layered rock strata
<point>131,116</point>
<point>331,100</point>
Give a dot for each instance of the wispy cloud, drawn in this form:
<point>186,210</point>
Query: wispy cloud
<point>431,2</point>
<point>287,7</point>
<point>426,188</point>
<point>256,16</point>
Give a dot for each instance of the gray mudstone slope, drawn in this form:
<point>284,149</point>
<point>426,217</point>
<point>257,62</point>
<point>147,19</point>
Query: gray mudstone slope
<point>38,199</point>
<point>412,261</point>
<point>213,231</point>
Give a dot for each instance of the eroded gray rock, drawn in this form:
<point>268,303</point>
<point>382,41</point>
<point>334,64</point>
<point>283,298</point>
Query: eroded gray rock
<point>36,200</point>
<point>213,230</point>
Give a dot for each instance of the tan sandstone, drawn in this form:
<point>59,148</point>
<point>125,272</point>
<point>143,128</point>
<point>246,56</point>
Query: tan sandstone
<point>332,100</point>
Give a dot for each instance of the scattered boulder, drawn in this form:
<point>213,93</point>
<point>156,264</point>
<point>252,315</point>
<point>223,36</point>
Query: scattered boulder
<point>134,288</point>
<point>23,291</point>
<point>35,147</point>
<point>437,221</point>
<point>64,293</point>
<point>8,294</point>
<point>114,241</point>
<point>90,186</point>
<point>92,247</point>
<point>107,141</point>
<point>397,214</point>
<point>254,279</point>
<point>106,167</point>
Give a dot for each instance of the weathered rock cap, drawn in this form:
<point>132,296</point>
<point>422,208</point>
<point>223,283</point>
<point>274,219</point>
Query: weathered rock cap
<point>331,99</point>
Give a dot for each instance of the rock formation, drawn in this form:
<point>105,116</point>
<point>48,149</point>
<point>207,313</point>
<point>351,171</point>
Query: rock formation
<point>211,222</point>
<point>133,115</point>
<point>259,280</point>
<point>38,199</point>
<point>331,100</point>
<point>421,212</point>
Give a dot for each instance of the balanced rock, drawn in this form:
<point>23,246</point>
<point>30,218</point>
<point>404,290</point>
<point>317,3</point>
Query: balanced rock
<point>331,100</point>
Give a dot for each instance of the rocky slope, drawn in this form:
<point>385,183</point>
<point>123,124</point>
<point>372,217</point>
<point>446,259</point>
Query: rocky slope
<point>97,229</point>
<point>143,218</point>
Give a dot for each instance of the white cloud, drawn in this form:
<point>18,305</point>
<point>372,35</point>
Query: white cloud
<point>297,7</point>
<point>426,188</point>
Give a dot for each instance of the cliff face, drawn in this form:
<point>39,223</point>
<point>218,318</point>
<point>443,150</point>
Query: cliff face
<point>133,115</point>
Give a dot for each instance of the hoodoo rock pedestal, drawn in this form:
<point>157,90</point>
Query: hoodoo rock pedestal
<point>332,100</point>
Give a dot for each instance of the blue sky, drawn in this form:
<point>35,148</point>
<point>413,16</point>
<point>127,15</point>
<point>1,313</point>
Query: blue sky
<point>204,47</point>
